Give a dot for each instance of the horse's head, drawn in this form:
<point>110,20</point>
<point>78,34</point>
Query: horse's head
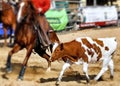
<point>25,8</point>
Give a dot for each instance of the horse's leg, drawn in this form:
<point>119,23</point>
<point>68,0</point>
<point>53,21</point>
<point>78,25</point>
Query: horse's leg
<point>10,41</point>
<point>46,56</point>
<point>15,49</point>
<point>43,54</point>
<point>5,35</point>
<point>14,26</point>
<point>22,71</point>
<point>11,31</point>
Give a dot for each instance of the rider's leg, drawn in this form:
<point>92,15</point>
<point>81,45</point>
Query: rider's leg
<point>44,25</point>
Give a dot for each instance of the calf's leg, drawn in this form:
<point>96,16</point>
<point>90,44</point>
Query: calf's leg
<point>65,66</point>
<point>104,67</point>
<point>111,66</point>
<point>85,70</point>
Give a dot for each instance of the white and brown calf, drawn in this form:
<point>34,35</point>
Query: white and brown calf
<point>84,50</point>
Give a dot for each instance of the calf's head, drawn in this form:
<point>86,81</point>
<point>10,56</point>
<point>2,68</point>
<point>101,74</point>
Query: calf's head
<point>58,52</point>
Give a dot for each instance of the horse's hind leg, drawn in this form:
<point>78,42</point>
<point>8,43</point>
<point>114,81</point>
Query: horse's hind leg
<point>15,49</point>
<point>22,71</point>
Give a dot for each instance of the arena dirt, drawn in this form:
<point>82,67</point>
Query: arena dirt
<point>36,74</point>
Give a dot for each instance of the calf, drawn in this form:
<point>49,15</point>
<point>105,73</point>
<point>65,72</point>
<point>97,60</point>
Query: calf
<point>84,50</point>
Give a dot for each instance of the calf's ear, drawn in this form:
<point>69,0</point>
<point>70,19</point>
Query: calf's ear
<point>61,46</point>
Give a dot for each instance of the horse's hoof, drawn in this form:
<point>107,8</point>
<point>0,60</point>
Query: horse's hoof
<point>1,45</point>
<point>20,78</point>
<point>10,45</point>
<point>9,70</point>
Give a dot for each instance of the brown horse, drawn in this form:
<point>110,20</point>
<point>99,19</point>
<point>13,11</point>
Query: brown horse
<point>8,18</point>
<point>28,36</point>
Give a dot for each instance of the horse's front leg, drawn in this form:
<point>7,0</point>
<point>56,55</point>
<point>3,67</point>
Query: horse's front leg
<point>15,49</point>
<point>8,64</point>
<point>49,66</point>
<point>22,71</point>
<point>43,54</point>
<point>5,36</point>
<point>46,56</point>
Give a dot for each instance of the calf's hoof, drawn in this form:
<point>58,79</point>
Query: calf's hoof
<point>93,82</point>
<point>111,77</point>
<point>48,70</point>
<point>57,83</point>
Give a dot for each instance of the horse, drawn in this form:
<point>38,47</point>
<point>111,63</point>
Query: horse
<point>8,18</point>
<point>27,36</point>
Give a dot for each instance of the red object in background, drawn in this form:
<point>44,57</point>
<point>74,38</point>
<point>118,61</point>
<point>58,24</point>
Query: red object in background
<point>103,23</point>
<point>44,4</point>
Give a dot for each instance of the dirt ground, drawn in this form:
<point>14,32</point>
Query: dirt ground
<point>36,74</point>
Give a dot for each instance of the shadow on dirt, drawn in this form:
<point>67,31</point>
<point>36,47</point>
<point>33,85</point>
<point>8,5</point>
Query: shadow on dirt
<point>74,77</point>
<point>30,70</point>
